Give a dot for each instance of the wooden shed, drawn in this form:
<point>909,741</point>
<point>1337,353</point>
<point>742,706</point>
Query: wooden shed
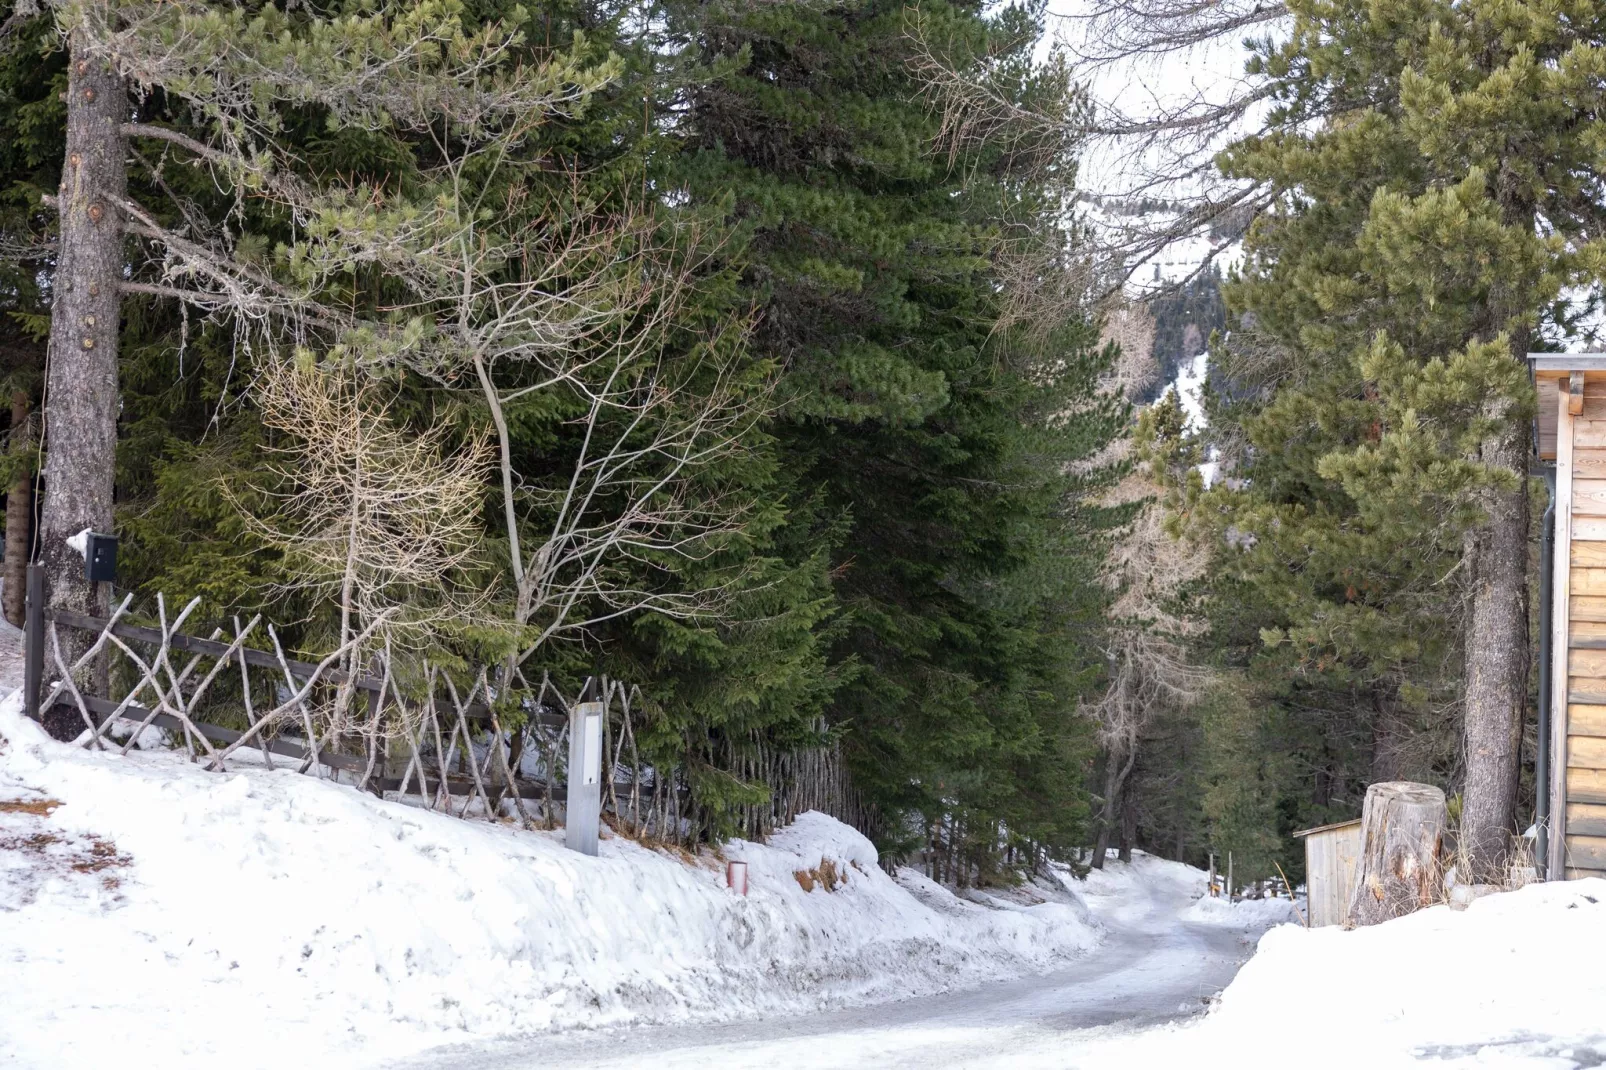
<point>1331,852</point>
<point>1572,431</point>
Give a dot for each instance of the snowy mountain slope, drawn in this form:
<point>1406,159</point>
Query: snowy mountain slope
<point>153,914</point>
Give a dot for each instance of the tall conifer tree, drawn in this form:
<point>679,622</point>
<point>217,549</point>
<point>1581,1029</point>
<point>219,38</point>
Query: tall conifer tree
<point>926,443</point>
<point>1434,167</point>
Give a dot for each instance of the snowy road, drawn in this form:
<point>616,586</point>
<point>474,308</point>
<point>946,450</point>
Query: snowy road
<point>1153,967</point>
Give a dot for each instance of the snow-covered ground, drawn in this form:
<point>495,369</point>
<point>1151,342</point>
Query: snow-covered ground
<point>1152,966</point>
<point>154,914</point>
<point>1516,980</point>
<point>1189,388</point>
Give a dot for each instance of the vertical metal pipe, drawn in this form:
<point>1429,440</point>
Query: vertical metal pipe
<point>1547,554</point>
<point>33,651</point>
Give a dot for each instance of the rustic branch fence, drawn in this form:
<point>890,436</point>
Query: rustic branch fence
<point>447,739</point>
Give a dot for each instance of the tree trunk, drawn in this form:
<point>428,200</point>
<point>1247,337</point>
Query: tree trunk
<point>1402,830</point>
<point>19,516</point>
<point>1129,824</point>
<point>81,387</point>
<point>1101,842</point>
<point>1496,678</point>
<point>1386,735</point>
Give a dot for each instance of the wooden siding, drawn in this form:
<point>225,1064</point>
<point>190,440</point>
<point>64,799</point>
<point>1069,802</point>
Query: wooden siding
<point>1572,429</point>
<point>1564,606</point>
<point>1547,418</point>
<point>1586,852</point>
<point>1585,720</point>
<point>1589,464</point>
<point>1585,819</point>
<point>1330,860</point>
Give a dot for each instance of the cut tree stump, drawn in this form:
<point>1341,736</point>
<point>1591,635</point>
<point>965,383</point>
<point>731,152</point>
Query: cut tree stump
<point>1402,830</point>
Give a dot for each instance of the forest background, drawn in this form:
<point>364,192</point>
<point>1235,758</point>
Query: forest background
<point>754,354</point>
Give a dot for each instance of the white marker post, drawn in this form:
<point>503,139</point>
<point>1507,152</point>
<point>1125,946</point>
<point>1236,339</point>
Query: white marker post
<point>584,811</point>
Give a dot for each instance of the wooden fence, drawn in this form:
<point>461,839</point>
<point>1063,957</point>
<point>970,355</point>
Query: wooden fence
<point>418,732</point>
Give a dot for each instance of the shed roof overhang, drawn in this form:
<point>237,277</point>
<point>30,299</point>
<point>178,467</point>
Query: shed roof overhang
<point>1328,828</point>
<point>1548,371</point>
<point>1561,365</point>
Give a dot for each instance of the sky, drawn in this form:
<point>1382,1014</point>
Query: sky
<point>1139,87</point>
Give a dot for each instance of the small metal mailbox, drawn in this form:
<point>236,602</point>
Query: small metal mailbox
<point>100,558</point>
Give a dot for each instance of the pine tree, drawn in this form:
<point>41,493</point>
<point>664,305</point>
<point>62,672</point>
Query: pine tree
<point>925,441</point>
<point>1428,161</point>
<point>649,307</point>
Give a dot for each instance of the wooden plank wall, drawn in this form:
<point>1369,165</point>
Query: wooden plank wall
<point>1581,566</point>
<point>1330,861</point>
<point>1547,419</point>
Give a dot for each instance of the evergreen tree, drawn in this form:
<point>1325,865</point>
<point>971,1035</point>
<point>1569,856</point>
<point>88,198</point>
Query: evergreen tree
<point>925,443</point>
<point>1429,164</point>
<point>193,440</point>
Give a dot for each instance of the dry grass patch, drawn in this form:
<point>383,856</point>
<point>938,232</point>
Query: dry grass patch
<point>39,851</point>
<point>36,807</point>
<point>825,875</point>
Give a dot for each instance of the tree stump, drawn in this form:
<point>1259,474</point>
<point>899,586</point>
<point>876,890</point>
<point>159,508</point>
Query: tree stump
<point>1402,829</point>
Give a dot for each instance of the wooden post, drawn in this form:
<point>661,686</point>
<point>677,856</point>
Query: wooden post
<point>33,666</point>
<point>584,810</point>
<point>1402,830</point>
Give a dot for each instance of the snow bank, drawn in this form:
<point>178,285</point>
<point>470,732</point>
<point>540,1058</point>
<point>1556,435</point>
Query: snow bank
<point>1123,892</point>
<point>1515,980</point>
<point>1248,915</point>
<point>173,917</point>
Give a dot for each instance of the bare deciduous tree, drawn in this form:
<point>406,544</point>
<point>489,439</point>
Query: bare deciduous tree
<point>376,519</point>
<point>504,295</point>
<point>1158,136</point>
<point>503,304</point>
<point>1148,661</point>
<point>373,515</point>
<point>236,70</point>
<point>1130,325</point>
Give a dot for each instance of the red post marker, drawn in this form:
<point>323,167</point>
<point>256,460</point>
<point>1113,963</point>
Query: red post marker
<point>736,877</point>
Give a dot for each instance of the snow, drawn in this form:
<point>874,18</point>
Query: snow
<point>1514,980</point>
<point>80,542</point>
<point>155,914</point>
<point>1152,966</point>
<point>1119,880</point>
<point>165,916</point>
<point>1188,387</point>
<point>1120,892</point>
<point>1247,915</point>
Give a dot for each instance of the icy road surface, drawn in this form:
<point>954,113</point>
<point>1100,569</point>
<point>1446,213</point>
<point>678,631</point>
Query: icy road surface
<point>1154,966</point>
